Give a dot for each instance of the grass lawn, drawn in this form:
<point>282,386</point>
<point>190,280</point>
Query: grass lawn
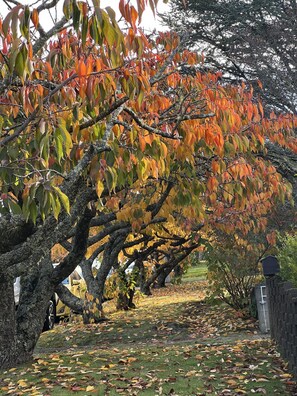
<point>196,272</point>
<point>172,344</point>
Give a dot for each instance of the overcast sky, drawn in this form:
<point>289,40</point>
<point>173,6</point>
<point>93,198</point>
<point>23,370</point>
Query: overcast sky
<point>149,23</point>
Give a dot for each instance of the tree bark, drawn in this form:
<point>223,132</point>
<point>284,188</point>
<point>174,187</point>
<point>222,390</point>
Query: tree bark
<point>162,278</point>
<point>166,268</point>
<point>75,303</point>
<point>20,330</point>
<point>93,312</point>
<point>8,346</point>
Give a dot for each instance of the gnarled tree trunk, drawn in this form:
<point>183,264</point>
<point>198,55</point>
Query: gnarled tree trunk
<point>8,348</point>
<point>20,329</point>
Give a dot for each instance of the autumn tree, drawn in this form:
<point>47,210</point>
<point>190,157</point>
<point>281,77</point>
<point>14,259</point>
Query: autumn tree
<point>253,42</point>
<point>250,41</point>
<point>96,126</point>
<point>56,97</point>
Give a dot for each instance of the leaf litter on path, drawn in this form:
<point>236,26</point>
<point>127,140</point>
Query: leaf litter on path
<point>172,344</point>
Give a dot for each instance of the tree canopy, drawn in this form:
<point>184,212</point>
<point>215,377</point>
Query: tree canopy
<point>113,141</point>
<point>253,41</point>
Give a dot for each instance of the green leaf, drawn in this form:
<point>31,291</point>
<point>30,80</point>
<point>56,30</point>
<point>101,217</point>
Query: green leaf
<point>44,147</point>
<point>26,208</point>
<point>84,30</point>
<point>98,10</point>
<point>20,63</point>
<point>59,144</point>
<point>25,23</point>
<point>45,203</point>
<point>229,148</point>
<point>67,139</point>
<point>56,206</point>
<point>76,15</point>
<point>63,198</point>
<point>94,32</point>
<point>109,179</point>
<point>33,210</point>
<point>14,207</point>
<point>110,158</point>
<point>67,9</point>
<point>109,32</point>
<point>111,13</point>
<point>6,23</point>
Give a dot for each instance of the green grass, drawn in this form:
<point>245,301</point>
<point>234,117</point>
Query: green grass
<point>242,368</point>
<point>172,344</point>
<point>196,272</point>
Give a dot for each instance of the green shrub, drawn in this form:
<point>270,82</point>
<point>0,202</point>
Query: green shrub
<point>233,272</point>
<point>287,256</point>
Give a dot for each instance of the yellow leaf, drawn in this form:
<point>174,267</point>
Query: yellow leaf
<point>43,362</point>
<point>89,388</point>
<point>99,188</point>
<point>164,149</point>
<point>231,382</point>
<point>22,383</point>
<point>131,359</point>
<point>286,375</point>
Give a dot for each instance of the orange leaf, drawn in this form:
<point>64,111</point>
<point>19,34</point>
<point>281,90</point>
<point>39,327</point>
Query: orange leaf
<point>122,8</point>
<point>81,68</point>
<point>134,16</point>
<point>212,184</point>
<point>142,142</point>
<point>49,70</point>
<point>215,166</point>
<point>35,18</point>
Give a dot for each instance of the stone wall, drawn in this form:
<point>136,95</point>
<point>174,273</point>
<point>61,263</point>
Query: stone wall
<point>282,299</point>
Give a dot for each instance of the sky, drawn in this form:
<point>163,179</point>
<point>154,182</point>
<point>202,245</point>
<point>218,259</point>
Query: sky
<point>149,22</point>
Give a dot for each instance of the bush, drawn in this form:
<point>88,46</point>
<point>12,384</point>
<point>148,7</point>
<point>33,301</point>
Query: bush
<point>233,273</point>
<point>287,256</point>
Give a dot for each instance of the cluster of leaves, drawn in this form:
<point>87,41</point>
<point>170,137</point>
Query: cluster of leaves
<point>56,111</point>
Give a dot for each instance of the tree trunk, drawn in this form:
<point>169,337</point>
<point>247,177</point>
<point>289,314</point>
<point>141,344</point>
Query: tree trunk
<point>142,273</point>
<point>20,329</point>
<point>161,279</point>
<point>164,269</point>
<point>8,346</point>
<point>75,303</point>
<point>36,292</point>
<point>93,311</point>
<point>145,288</point>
